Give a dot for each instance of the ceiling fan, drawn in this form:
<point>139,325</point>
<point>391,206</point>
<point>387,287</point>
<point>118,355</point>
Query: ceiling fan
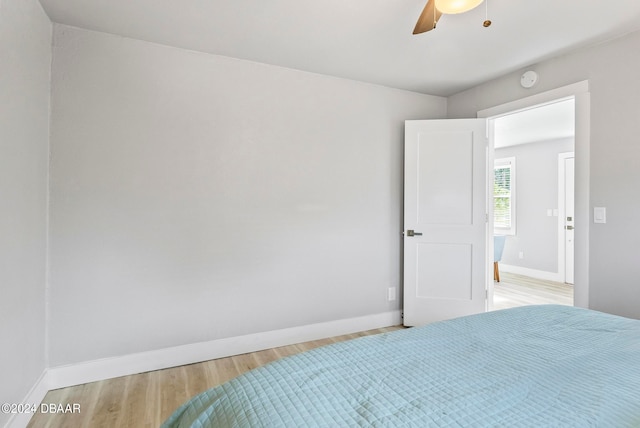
<point>434,9</point>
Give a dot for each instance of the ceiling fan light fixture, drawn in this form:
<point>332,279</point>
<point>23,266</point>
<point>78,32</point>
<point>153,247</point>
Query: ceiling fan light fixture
<point>456,6</point>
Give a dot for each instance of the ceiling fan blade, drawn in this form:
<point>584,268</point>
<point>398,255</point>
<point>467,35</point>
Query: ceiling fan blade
<point>428,18</point>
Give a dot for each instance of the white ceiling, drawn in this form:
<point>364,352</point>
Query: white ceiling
<point>366,40</point>
<point>548,122</point>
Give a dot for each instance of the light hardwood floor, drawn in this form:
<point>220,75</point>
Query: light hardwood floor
<point>517,290</point>
<point>147,399</point>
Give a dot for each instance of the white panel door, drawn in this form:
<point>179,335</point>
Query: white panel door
<point>445,219</point>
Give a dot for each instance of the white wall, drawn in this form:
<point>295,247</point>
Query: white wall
<point>612,70</point>
<point>25,56</point>
<point>197,197</point>
<point>536,192</point>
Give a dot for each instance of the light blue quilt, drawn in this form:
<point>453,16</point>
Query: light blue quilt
<point>536,366</point>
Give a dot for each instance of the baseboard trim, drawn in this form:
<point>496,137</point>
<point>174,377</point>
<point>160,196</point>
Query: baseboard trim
<point>107,368</point>
<point>34,397</point>
<point>533,273</point>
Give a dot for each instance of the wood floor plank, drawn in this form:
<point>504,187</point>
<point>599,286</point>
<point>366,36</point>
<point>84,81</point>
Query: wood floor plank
<point>267,356</point>
<point>109,402</point>
<point>140,392</point>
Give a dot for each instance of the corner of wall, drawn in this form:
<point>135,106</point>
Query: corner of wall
<point>34,397</point>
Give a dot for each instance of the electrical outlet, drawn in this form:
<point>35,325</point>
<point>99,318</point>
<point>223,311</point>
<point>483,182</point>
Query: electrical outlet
<point>521,255</point>
<point>392,294</point>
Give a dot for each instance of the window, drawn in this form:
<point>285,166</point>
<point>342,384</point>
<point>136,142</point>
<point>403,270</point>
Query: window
<point>504,201</point>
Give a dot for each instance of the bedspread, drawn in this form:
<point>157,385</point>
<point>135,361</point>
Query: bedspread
<point>537,366</point>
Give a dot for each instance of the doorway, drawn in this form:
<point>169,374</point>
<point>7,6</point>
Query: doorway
<point>533,207</point>
<point>579,94</point>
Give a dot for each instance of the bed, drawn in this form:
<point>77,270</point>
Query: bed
<point>534,366</point>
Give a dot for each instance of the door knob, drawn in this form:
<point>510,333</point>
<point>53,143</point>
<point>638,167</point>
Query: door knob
<point>412,233</point>
<point>569,227</point>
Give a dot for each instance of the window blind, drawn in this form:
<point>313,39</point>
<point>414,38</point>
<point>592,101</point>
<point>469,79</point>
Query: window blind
<point>503,196</point>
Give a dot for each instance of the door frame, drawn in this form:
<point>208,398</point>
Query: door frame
<point>562,192</point>
<point>580,93</point>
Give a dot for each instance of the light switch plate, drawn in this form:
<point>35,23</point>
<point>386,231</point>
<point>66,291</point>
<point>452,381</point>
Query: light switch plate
<point>599,214</point>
